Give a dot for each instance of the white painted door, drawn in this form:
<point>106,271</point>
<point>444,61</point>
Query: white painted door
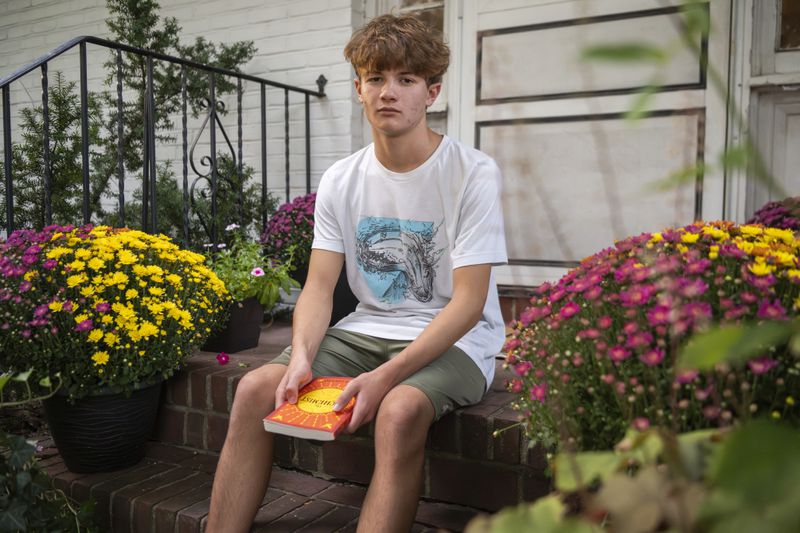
<point>577,174</point>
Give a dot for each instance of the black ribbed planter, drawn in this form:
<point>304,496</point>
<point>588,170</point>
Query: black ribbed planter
<point>242,330</point>
<point>103,433</point>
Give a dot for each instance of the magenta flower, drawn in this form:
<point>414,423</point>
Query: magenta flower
<point>102,307</point>
<point>772,310</point>
<point>618,354</point>
<point>692,288</point>
<point>569,310</point>
<point>686,376</point>
<point>641,423</point>
<point>49,264</point>
<point>658,314</point>
<point>257,272</point>
<point>223,358</point>
<point>85,325</point>
<point>636,295</point>
<point>639,339</point>
<point>539,392</point>
<point>522,368</point>
<point>762,365</point>
<point>604,322</point>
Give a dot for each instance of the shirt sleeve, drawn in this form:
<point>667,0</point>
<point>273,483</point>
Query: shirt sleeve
<point>327,231</point>
<point>480,237</point>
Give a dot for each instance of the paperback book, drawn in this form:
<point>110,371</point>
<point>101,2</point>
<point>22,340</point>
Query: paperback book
<point>312,417</point>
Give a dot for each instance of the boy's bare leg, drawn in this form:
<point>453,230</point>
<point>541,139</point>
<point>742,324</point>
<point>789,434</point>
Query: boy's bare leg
<point>245,463</point>
<point>401,428</point>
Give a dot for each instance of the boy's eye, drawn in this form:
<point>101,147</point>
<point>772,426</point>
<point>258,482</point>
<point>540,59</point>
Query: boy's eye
<point>373,79</point>
<point>407,81</point>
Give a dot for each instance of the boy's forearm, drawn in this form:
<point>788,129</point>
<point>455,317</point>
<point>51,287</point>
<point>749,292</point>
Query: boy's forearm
<point>312,313</point>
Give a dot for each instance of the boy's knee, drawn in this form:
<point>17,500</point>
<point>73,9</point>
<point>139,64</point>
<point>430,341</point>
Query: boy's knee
<point>406,410</point>
<point>259,385</point>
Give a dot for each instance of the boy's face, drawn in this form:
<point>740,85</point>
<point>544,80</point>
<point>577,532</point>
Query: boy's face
<point>395,100</point>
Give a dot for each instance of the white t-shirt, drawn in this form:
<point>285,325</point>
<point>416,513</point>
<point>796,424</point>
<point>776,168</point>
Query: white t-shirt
<point>403,234</point>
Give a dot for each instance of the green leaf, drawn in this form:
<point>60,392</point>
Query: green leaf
<point>635,52</point>
<point>695,448</point>
<point>733,344</point>
<point>575,471</point>
<point>4,378</point>
<point>639,108</point>
<point>681,177</point>
<point>22,376</point>
<point>13,518</point>
<point>754,477</point>
<point>736,157</point>
<point>696,19</point>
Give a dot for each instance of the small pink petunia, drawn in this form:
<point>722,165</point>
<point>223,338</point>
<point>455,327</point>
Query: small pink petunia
<point>223,358</point>
<point>257,272</point>
<point>762,365</point>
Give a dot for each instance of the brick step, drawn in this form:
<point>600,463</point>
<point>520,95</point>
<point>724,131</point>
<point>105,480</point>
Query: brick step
<point>465,464</point>
<point>169,490</point>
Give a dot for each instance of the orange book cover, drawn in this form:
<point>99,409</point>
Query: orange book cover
<point>312,417</point>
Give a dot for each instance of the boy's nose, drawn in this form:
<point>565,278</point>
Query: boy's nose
<point>388,91</point>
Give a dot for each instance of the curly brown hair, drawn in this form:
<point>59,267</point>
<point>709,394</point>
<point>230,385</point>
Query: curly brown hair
<point>398,41</point>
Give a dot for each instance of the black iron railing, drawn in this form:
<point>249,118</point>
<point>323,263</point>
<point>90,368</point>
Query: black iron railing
<point>212,120</point>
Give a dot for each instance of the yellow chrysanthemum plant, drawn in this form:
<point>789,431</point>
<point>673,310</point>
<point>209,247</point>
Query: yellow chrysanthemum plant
<point>104,308</point>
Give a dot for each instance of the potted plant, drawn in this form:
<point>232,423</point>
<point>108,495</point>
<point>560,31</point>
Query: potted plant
<point>595,352</point>
<point>113,312</point>
<point>254,283</point>
<point>290,232</point>
<point>784,214</point>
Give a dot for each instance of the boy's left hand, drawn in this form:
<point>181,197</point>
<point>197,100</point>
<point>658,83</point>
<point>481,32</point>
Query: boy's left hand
<point>370,387</point>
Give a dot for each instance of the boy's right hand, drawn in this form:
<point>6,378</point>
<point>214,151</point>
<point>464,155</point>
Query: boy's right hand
<point>297,375</point>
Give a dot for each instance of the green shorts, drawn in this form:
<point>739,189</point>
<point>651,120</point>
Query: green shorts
<point>452,380</point>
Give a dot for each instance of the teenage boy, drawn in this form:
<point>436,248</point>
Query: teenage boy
<point>417,217</point>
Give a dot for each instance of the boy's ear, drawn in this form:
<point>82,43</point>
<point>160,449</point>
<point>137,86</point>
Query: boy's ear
<point>433,92</point>
<point>357,84</point>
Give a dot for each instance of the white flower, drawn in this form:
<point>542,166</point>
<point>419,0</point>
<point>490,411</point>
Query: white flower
<point>221,245</point>
<point>209,245</point>
<point>232,227</point>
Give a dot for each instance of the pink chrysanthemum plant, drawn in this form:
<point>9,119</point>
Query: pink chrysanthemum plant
<point>102,308</point>
<point>290,232</point>
<point>594,354</point>
<point>784,214</point>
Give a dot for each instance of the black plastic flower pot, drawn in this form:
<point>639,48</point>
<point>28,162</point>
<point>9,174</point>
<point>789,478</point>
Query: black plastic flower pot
<point>105,432</point>
<point>242,329</point>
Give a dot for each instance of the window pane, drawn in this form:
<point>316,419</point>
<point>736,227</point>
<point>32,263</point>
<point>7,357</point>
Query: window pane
<point>790,24</point>
<point>432,17</point>
<point>416,3</point>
